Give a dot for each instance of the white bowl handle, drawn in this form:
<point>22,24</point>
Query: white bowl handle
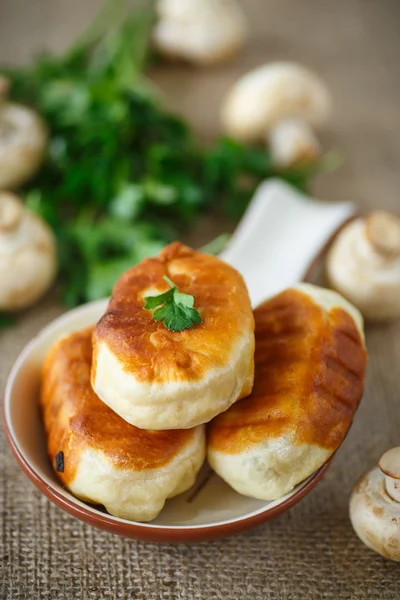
<point>280,234</point>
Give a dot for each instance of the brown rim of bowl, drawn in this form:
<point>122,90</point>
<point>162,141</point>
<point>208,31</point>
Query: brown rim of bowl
<point>159,533</point>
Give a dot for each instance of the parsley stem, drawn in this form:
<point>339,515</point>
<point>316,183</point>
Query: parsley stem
<point>171,283</point>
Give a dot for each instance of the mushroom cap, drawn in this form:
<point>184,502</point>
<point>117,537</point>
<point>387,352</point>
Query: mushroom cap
<point>23,142</point>
<point>272,93</point>
<point>200,31</point>
<point>28,258</point>
<point>389,463</point>
<point>363,266</point>
<point>375,516</point>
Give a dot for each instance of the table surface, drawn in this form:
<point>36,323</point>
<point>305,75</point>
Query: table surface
<point>310,552</point>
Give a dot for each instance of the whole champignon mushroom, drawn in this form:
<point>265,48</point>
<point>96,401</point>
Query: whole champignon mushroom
<point>375,506</point>
<point>363,264</point>
<point>28,261</point>
<point>203,32</point>
<point>280,102</point>
<point>23,140</point>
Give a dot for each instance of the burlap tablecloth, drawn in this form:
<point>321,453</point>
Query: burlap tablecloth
<point>311,552</point>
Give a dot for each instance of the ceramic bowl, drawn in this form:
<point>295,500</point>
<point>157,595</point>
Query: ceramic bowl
<point>273,247</point>
<point>211,509</point>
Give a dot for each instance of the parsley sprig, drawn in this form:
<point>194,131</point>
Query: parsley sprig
<point>176,309</point>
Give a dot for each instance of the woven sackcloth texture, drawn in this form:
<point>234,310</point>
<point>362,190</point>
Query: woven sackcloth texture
<point>311,552</point>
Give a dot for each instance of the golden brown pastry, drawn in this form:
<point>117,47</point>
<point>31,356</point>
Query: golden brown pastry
<point>159,379</point>
<point>100,457</point>
<point>310,362</point>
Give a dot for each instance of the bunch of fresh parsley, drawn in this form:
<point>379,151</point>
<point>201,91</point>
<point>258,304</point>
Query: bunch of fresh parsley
<point>123,176</point>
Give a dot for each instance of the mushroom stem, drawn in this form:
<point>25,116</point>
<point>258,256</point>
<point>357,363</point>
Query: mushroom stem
<point>11,213</point>
<point>389,464</point>
<point>4,87</point>
<point>393,488</point>
<point>292,142</point>
<point>383,233</point>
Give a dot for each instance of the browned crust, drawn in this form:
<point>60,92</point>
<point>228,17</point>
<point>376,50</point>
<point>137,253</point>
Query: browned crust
<point>75,419</point>
<point>151,352</point>
<point>309,376</point>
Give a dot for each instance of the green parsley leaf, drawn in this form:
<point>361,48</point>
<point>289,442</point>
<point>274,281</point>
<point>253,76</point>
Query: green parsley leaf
<point>176,308</point>
<point>154,301</point>
<point>183,299</point>
<point>6,320</point>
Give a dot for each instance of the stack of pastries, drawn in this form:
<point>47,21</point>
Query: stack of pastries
<point>131,409</point>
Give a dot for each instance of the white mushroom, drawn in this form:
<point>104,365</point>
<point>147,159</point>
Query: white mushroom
<point>203,32</point>
<point>375,506</point>
<point>363,264</point>
<point>23,141</point>
<point>280,102</point>
<point>28,261</point>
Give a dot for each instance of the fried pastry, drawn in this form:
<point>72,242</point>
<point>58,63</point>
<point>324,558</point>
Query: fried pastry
<point>310,363</point>
<point>155,378</point>
<point>100,457</point>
